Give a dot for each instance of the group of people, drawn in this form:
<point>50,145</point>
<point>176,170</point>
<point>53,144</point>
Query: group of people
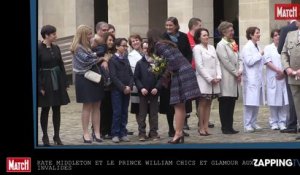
<point>195,71</point>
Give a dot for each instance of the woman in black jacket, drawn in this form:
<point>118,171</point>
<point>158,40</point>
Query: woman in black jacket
<point>52,83</point>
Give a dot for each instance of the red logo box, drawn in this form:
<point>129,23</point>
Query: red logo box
<point>287,11</point>
<point>18,164</point>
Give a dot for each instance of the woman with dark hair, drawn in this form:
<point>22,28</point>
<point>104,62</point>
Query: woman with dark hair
<point>52,83</point>
<point>277,96</point>
<point>253,87</point>
<point>173,34</point>
<point>106,51</point>
<point>183,83</point>
<point>208,72</point>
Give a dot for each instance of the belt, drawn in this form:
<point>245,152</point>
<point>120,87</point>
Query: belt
<point>54,76</point>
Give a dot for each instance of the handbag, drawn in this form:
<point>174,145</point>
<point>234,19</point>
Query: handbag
<point>92,76</point>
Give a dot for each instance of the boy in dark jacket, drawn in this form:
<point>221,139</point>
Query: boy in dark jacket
<point>122,83</point>
<point>148,85</point>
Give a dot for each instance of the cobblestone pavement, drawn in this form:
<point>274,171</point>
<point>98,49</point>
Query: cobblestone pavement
<point>71,129</point>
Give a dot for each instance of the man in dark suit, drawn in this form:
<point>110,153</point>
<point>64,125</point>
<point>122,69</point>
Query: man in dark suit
<point>291,122</point>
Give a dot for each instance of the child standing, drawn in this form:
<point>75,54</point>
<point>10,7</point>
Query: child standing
<point>148,86</point>
<point>122,78</point>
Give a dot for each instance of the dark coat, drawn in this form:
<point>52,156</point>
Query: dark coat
<point>47,59</point>
<point>144,78</point>
<point>183,45</point>
<point>283,32</point>
<point>120,73</point>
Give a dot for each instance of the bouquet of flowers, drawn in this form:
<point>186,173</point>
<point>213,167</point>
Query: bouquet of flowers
<point>158,65</point>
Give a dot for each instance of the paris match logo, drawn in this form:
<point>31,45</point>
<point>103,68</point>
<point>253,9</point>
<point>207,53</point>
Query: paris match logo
<point>287,11</point>
<point>18,164</point>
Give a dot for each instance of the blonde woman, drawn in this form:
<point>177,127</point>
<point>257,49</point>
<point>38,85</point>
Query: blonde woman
<point>87,92</point>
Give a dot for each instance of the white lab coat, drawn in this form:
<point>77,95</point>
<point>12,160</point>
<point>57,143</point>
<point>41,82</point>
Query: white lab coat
<point>276,89</point>
<point>253,85</point>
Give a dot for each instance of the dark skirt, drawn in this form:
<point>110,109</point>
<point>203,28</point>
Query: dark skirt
<point>88,91</point>
<point>53,98</point>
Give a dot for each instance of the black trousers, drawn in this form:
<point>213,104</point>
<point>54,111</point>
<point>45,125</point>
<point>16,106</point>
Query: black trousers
<point>291,121</point>
<point>226,110</point>
<point>106,111</point>
<point>55,120</point>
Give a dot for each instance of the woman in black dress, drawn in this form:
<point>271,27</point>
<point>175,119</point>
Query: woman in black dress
<point>52,83</point>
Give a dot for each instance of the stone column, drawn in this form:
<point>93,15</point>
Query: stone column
<point>261,14</point>
<point>129,17</point>
<point>185,10</point>
<point>65,15</point>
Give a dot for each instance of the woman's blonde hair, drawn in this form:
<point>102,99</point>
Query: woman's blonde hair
<point>81,37</point>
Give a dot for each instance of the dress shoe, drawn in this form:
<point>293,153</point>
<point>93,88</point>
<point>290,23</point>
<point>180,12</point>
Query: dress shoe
<point>298,138</point>
<point>45,140</point>
<point>211,125</point>
<point>177,141</point>
<point>248,129</point>
<point>129,133</point>
<point>186,134</point>
<point>234,131</point>
<point>256,127</point>
<point>171,133</point>
<point>289,131</point>
<point>202,133</point>
<point>57,141</point>
<point>95,138</point>
<point>275,127</point>
<point>86,141</point>
<point>186,126</point>
<point>282,126</point>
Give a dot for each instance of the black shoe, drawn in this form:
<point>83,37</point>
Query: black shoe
<point>211,125</point>
<point>185,134</point>
<point>171,133</point>
<point>186,126</point>
<point>289,131</point>
<point>177,141</point>
<point>234,131</point>
<point>57,141</point>
<point>45,140</point>
<point>86,141</point>
<point>95,138</point>
<point>129,133</point>
<point>298,138</point>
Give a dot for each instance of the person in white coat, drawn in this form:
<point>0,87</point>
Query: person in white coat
<point>253,88</point>
<point>277,97</point>
<point>232,68</point>
<point>208,72</point>
<point>135,42</point>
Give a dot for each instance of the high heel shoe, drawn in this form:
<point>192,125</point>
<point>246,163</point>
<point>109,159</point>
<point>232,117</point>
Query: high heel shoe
<point>177,141</point>
<point>202,134</point>
<point>57,141</point>
<point>95,138</point>
<point>207,133</point>
<point>45,140</point>
<point>86,141</point>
